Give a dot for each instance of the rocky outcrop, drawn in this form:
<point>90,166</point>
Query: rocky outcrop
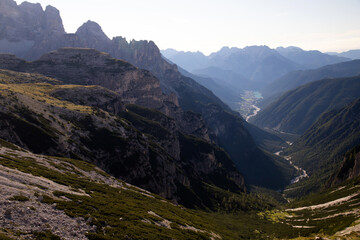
<point>350,167</point>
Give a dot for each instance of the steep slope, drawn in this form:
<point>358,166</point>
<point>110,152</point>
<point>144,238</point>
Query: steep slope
<point>298,78</point>
<point>85,122</point>
<point>309,59</point>
<point>334,133</point>
<point>296,110</point>
<point>320,149</point>
<point>350,167</point>
<point>257,166</point>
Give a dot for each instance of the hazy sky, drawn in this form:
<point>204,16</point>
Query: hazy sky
<point>207,25</point>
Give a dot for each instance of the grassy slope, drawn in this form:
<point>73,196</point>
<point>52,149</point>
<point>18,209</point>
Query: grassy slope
<point>326,213</point>
<point>296,110</point>
<point>120,210</point>
<point>331,136</point>
<point>321,149</point>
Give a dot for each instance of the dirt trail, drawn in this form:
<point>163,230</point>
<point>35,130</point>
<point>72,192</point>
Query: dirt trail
<point>325,205</point>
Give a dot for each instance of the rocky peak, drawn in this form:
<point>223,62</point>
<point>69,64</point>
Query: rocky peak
<point>258,52</point>
<point>28,21</point>
<point>8,8</point>
<point>141,52</point>
<point>53,21</point>
<point>290,49</point>
<point>7,3</point>
<point>31,8</point>
<point>93,31</point>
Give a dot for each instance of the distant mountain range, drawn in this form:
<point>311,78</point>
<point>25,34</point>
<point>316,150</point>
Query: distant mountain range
<point>310,59</point>
<point>251,68</point>
<point>296,110</point>
<point>257,65</point>
<point>352,54</point>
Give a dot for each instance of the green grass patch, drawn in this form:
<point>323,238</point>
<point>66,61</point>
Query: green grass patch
<point>19,198</point>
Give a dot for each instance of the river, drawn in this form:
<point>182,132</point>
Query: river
<point>257,109</point>
<point>303,173</point>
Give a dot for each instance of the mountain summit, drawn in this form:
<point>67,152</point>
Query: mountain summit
<point>92,31</point>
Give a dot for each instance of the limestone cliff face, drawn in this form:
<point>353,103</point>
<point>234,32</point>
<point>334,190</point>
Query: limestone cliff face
<point>25,24</point>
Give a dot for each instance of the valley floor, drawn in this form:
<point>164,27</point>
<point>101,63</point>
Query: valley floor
<point>247,108</point>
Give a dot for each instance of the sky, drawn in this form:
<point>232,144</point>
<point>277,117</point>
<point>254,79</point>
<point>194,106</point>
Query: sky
<point>208,25</point>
